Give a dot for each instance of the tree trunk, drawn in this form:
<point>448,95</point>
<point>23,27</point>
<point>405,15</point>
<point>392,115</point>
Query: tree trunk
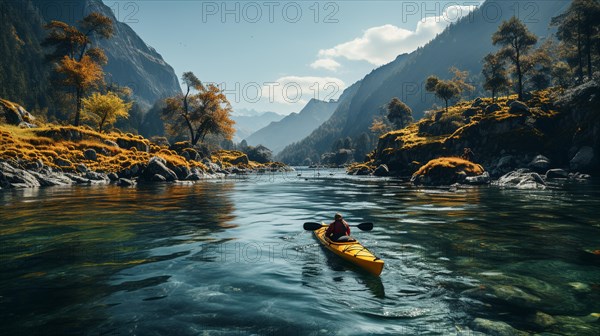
<point>519,74</point>
<point>588,45</point>
<point>579,51</point>
<point>102,123</point>
<point>79,97</point>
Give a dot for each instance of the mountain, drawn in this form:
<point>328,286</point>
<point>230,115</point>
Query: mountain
<point>24,71</point>
<point>131,62</point>
<point>463,44</point>
<point>293,127</point>
<point>245,125</point>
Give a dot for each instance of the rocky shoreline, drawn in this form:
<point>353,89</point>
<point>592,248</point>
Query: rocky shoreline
<point>16,174</point>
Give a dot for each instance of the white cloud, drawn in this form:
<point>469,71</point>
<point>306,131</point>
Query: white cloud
<point>325,63</point>
<point>381,45</point>
<point>291,90</point>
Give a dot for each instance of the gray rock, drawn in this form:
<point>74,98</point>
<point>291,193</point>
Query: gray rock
<point>158,178</point>
<point>82,168</point>
<point>478,180</point>
<point>157,165</point>
<point>521,179</point>
<point>110,143</point>
<point>382,170</point>
<point>193,177</point>
<point>362,171</point>
<point>539,164</point>
<point>78,179</point>
<point>584,160</point>
<point>543,320</point>
<point>48,178</point>
<point>36,165</point>
<point>14,114</point>
<point>11,177</point>
<point>123,182</point>
<point>113,176</point>
<point>492,108</point>
<point>495,328</point>
<point>477,102</point>
<point>62,162</point>
<point>518,107</point>
<point>557,173</point>
<point>470,112</point>
<point>90,154</point>
<point>95,176</point>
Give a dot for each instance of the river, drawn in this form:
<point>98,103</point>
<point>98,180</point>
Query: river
<point>230,257</point>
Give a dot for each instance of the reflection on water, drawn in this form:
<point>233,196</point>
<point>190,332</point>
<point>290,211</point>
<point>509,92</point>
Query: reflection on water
<point>230,257</point>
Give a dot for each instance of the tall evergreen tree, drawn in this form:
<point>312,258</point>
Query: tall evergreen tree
<point>518,42</point>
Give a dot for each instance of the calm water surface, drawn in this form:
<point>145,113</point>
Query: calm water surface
<point>230,258</point>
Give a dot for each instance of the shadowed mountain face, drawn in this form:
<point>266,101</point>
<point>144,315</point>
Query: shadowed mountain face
<point>294,127</point>
<point>463,45</point>
<point>245,125</point>
<point>130,61</point>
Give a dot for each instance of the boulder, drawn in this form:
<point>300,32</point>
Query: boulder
<point>81,167</point>
<point>518,107</point>
<point>479,179</point>
<point>11,177</point>
<point>90,154</point>
<point>477,102</point>
<point>543,320</point>
<point>446,171</point>
<point>113,176</point>
<point>584,160</point>
<point>95,176</point>
<point>123,182</point>
<point>193,177</point>
<point>492,108</point>
<point>382,170</point>
<point>470,112</point>
<point>77,179</point>
<point>158,178</point>
<point>157,165</point>
<point>521,179</point>
<point>14,114</point>
<point>36,165</point>
<point>110,143</point>
<point>557,173</point>
<point>539,164</point>
<point>62,162</point>
<point>495,328</point>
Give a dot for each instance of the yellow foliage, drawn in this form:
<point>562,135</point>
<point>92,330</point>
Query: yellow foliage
<point>104,109</point>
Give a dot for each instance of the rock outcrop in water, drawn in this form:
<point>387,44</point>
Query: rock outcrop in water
<point>552,130</point>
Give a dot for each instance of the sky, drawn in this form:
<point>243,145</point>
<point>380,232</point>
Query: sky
<point>277,55</point>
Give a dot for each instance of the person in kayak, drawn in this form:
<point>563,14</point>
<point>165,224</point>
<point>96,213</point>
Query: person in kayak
<point>339,230</point>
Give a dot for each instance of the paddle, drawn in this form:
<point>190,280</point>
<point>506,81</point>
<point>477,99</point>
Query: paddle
<point>311,226</point>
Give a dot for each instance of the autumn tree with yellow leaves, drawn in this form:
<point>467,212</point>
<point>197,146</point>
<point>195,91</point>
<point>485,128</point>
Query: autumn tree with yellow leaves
<point>202,110</point>
<point>104,109</point>
<point>78,64</point>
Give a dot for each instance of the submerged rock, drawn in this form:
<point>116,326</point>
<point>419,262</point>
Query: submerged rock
<point>495,328</point>
<point>123,182</point>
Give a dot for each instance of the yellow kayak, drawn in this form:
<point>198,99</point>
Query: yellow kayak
<point>354,252</point>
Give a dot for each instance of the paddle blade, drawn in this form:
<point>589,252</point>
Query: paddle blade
<point>311,226</point>
<point>365,226</point>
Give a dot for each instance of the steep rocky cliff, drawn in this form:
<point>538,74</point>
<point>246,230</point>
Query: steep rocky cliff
<point>131,62</point>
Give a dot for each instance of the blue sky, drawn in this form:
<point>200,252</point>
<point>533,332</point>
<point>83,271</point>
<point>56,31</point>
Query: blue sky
<point>276,55</point>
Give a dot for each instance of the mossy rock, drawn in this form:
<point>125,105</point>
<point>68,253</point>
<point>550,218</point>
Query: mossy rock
<point>446,171</point>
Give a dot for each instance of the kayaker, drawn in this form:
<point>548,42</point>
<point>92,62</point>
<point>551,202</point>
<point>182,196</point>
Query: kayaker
<point>338,230</point>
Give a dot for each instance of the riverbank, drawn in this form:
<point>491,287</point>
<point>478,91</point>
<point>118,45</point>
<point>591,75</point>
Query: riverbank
<point>52,155</point>
<point>554,133</point>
